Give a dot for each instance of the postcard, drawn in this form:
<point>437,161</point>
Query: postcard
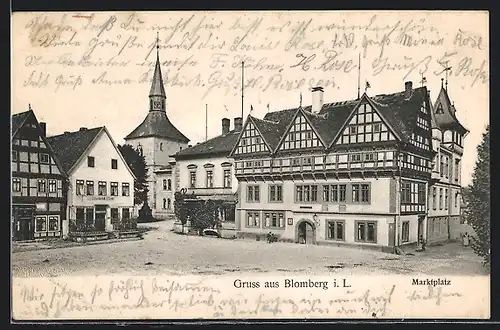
<point>215,165</point>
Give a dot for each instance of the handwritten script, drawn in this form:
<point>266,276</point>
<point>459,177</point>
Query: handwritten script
<point>164,297</point>
<point>280,51</point>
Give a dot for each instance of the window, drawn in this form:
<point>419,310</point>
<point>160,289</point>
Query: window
<point>14,155</point>
<point>366,231</point>
<point>125,214</point>
<point>164,203</point>
<point>42,186</point>
<point>114,215</point>
<point>446,167</point>
<point>377,127</point>
<point>90,161</point>
<point>440,198</point>
<point>114,188</point>
<point>306,193</point>
<point>192,179</point>
<point>52,186</point>
<point>441,165</point>
<point>102,188</point>
<point>275,193</point>
<point>53,223</point>
<point>80,214</point>
<point>446,199</point>
<point>16,184</point>
<point>169,204</point>
<point>274,220</point>
<point>161,146</point>
<point>253,219</point>
<point>353,130</point>
<point>169,184</point>
<point>335,230</point>
<point>227,178</point>
<point>355,192</point>
<point>44,158</point>
<point>125,189</point>
<point>456,199</point>
<point>90,188</point>
<point>41,224</point>
<point>342,192</point>
<point>365,193</point>
<point>326,193</point>
<point>405,231</point>
<point>114,164</point>
<point>434,198</point>
<point>421,194</point>
<point>164,184</point>
<point>210,179</point>
<point>253,193</point>
<point>89,215</point>
<point>457,170</point>
<point>369,157</point>
<point>355,157</point>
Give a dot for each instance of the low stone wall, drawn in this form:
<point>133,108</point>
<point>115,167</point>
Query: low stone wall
<point>88,237</point>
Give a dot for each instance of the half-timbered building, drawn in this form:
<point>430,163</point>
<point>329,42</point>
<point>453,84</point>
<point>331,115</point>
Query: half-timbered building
<point>347,173</point>
<point>38,181</point>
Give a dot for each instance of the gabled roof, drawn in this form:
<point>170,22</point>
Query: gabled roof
<point>222,144</point>
<point>70,146</point>
<point>157,124</point>
<point>18,120</point>
<point>270,131</point>
<point>447,119</point>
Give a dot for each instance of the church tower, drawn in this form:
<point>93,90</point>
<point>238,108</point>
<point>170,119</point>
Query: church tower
<point>158,139</point>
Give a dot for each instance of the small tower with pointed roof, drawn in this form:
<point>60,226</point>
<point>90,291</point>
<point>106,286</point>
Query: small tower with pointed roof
<point>156,137</point>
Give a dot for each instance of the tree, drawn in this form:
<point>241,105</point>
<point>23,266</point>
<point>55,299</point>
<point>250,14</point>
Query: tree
<point>477,211</point>
<point>137,164</point>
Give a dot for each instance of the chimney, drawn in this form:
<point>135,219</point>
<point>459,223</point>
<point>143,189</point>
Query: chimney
<point>225,125</point>
<point>83,129</point>
<point>317,99</point>
<point>408,89</point>
<point>43,126</point>
<point>238,124</point>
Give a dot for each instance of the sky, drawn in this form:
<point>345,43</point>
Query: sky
<point>94,69</point>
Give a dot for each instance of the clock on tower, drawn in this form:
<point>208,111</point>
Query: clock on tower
<point>157,105</point>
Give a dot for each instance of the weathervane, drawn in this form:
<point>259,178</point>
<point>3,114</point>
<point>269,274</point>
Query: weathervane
<point>423,80</point>
<point>446,69</point>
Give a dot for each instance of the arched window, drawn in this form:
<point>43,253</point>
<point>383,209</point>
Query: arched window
<point>165,184</point>
<point>169,187</point>
<point>161,146</point>
<point>165,203</point>
<point>169,204</point>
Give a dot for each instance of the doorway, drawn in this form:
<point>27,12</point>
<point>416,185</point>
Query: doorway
<point>100,217</point>
<point>420,230</point>
<point>392,235</point>
<point>23,223</point>
<point>306,232</point>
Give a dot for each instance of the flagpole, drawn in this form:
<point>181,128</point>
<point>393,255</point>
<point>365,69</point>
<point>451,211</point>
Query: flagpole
<point>242,85</point>
<point>359,73</point>
<point>206,122</point>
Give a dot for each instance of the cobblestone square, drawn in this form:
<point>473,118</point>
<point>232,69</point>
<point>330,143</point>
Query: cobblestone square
<point>163,252</point>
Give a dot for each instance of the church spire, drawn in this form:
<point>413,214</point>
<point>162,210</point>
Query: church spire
<point>157,94</point>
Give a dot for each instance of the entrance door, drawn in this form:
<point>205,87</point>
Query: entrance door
<point>23,223</point>
<point>420,230</point>
<point>100,217</point>
<point>392,235</point>
<point>306,233</point>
